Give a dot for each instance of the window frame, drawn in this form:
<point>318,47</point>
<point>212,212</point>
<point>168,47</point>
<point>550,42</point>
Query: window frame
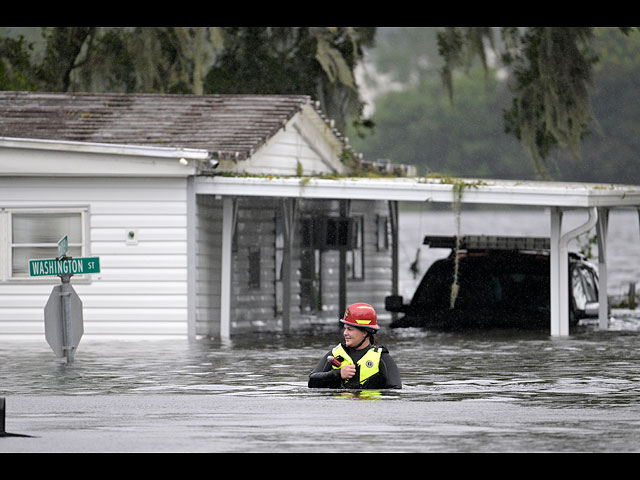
<point>7,246</point>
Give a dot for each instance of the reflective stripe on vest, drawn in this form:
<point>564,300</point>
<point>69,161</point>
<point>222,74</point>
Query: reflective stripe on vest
<point>369,363</point>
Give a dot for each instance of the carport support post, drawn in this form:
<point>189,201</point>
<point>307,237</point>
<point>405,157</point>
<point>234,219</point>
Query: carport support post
<point>603,300</point>
<point>288,217</point>
<point>228,226</point>
<point>342,280</point>
<point>67,331</point>
<point>559,282</point>
<point>393,215</point>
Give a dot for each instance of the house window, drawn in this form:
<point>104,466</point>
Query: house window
<point>34,234</point>
<point>309,268</point>
<point>328,233</point>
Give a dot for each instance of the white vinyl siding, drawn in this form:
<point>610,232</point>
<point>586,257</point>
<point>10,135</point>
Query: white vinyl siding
<point>283,153</point>
<point>208,261</point>
<point>142,286</point>
<point>300,145</point>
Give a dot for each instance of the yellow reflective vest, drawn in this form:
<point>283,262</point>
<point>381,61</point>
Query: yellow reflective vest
<point>369,363</point>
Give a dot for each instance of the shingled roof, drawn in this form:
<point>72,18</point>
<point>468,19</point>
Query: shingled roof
<point>225,125</point>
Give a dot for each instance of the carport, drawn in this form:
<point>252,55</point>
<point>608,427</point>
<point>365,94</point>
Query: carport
<point>558,197</point>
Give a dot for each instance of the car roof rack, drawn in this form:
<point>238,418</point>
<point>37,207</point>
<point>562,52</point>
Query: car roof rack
<point>488,242</point>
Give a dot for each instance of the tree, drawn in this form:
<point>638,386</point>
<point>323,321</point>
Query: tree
<point>317,61</point>
<point>610,156</point>
<point>128,59</point>
<point>550,71</point>
<point>15,65</point>
<point>416,125</point>
<point>67,49</point>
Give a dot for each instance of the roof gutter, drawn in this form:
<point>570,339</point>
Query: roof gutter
<point>106,148</point>
<point>543,194</point>
<point>39,157</point>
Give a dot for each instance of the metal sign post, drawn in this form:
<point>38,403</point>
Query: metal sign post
<point>63,322</point>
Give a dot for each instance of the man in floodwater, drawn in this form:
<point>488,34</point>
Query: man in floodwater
<point>358,363</point>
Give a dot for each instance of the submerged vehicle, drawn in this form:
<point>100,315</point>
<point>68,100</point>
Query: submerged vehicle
<point>502,282</point>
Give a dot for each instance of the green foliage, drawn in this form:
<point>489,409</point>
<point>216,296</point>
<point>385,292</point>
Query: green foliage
<point>609,155</point>
<point>418,126</point>
<point>407,54</point>
<point>316,61</point>
<point>459,46</point>
<point>65,51</point>
<point>15,72</point>
<point>551,79</point>
<point>265,60</point>
<point>484,133</point>
<point>551,73</point>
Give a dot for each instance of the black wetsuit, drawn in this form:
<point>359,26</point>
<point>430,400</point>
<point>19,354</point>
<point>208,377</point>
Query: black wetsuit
<point>325,376</point>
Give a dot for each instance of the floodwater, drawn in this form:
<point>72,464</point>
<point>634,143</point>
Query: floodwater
<point>495,391</point>
<point>491,392</point>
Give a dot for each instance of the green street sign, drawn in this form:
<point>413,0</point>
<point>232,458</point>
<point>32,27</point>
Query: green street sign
<point>63,246</point>
<point>68,266</point>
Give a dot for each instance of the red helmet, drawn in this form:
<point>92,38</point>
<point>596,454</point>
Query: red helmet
<point>361,315</point>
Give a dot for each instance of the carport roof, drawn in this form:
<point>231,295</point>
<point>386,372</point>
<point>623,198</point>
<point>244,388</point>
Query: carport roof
<point>421,189</point>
